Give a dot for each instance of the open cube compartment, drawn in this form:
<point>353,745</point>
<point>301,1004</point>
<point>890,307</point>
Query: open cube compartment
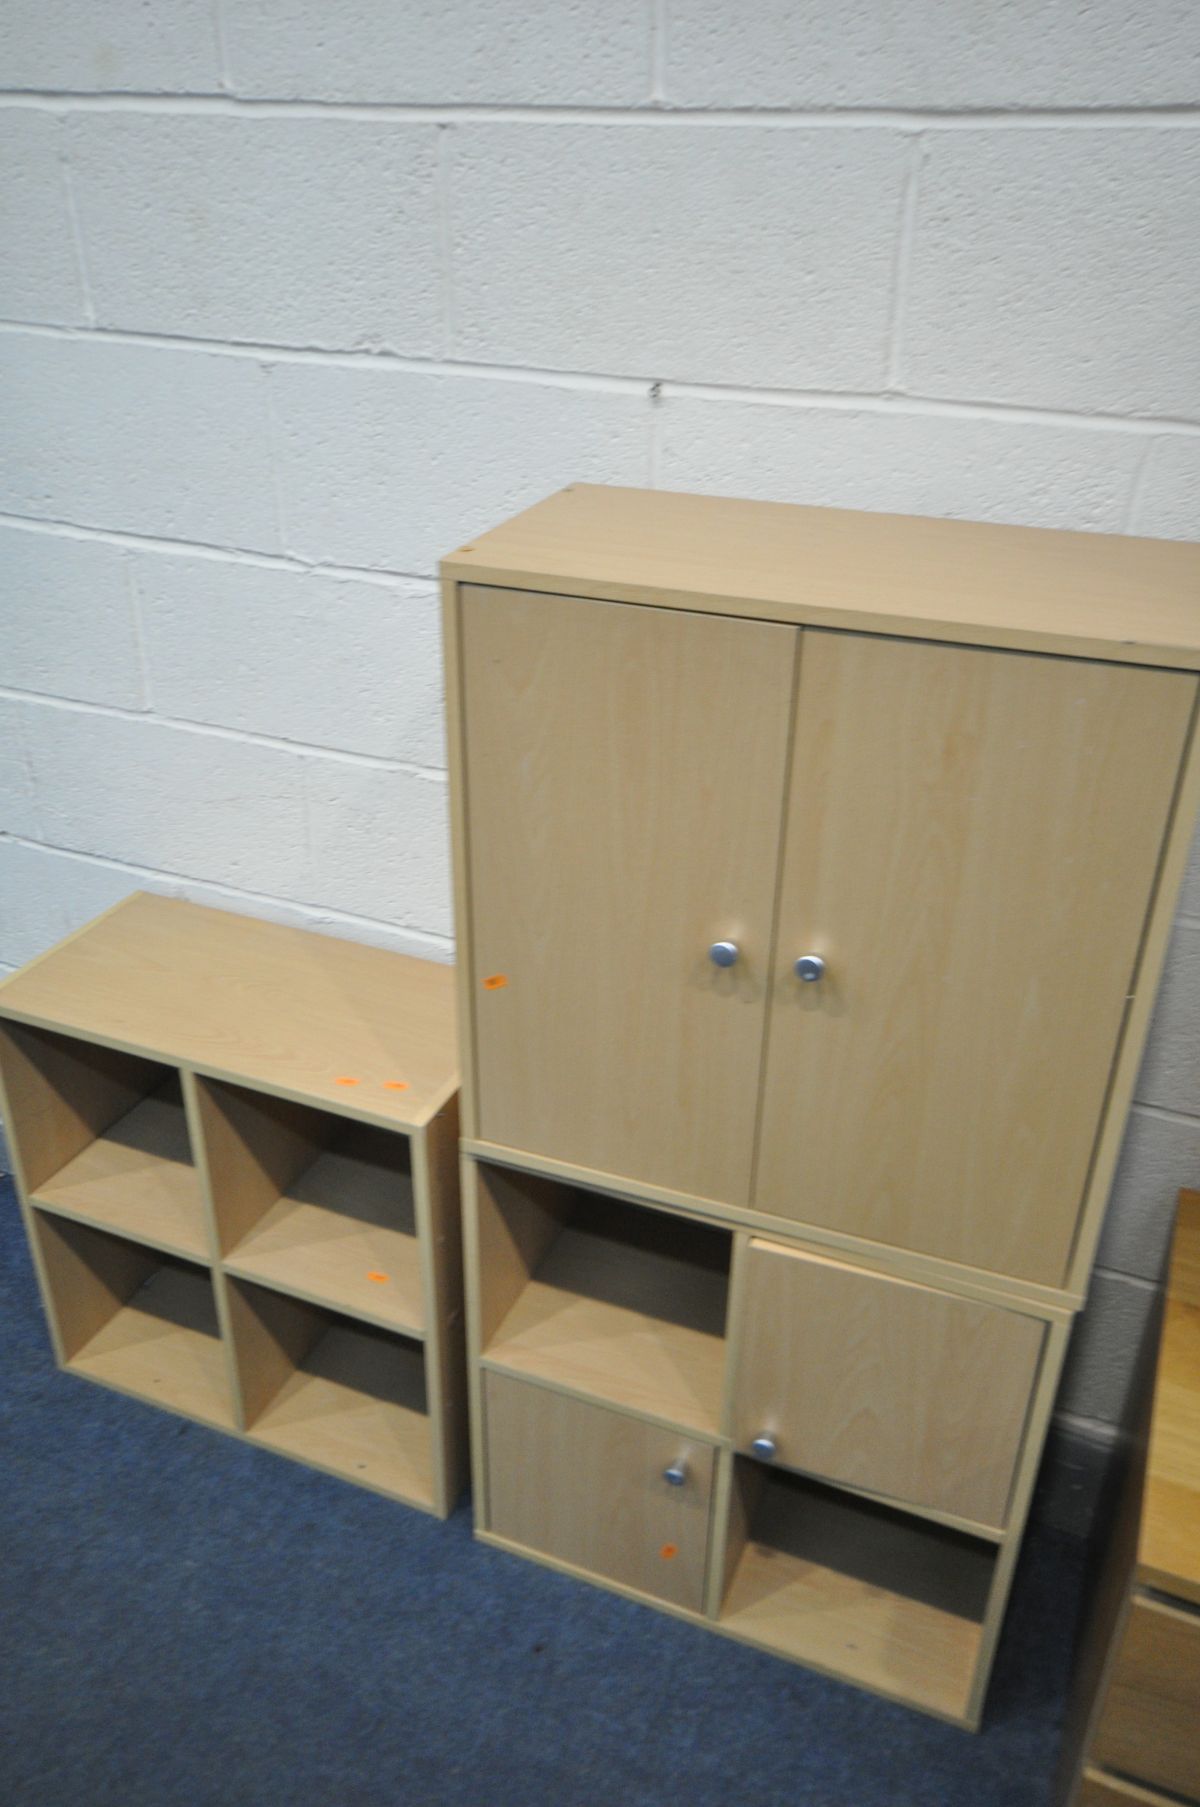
<point>615,1301</point>
<point>315,1204</point>
<point>103,1138</point>
<point>877,1596</point>
<point>134,1318</point>
<point>335,1393</point>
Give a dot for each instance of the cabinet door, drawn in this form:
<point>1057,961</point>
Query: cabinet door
<point>971,845</point>
<point>588,1486</point>
<point>878,1383</point>
<point>624,774</point>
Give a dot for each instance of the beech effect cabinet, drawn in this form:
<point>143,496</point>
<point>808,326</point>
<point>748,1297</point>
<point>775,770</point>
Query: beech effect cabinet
<point>236,1151</point>
<point>813,876</point>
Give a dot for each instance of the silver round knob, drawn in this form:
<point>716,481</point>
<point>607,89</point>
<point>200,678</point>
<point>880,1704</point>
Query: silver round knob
<point>810,968</point>
<point>676,1474</point>
<point>723,953</point>
<point>765,1448</point>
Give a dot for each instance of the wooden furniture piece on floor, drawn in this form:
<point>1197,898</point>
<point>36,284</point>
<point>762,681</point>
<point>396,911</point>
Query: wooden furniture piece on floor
<point>1134,1731</point>
<point>236,1150</point>
<point>814,872</point>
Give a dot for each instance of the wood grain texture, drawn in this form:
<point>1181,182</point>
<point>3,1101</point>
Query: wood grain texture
<point>1169,1547</point>
<point>1152,1710</point>
<point>634,1326</point>
<point>439,1237</point>
<point>345,1398</point>
<point>164,1346</point>
<point>624,779</point>
<point>971,844</point>
<point>89,1275</point>
<point>1097,595</point>
<point>585,1486</point>
<point>138,1179</point>
<point>225,993</point>
<point>1046,1302</point>
<point>255,1146</point>
<point>62,1094</point>
<point>344,1233</point>
<point>884,1601</point>
<point>1185,1251</point>
<point>519,1215</point>
<point>906,1391</point>
<point>459,844</point>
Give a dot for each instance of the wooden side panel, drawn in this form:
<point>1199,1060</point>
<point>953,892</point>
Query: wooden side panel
<point>585,1485</point>
<point>624,784</point>
<point>439,1219</point>
<point>1148,1728</point>
<point>896,1388</point>
<point>972,844</point>
<point>64,1093</point>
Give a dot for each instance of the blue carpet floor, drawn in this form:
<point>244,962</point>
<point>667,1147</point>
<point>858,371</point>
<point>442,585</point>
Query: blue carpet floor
<point>186,1620</point>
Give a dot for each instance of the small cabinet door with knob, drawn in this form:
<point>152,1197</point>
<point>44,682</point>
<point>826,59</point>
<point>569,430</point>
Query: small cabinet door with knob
<point>877,1383</point>
<point>970,852</point>
<point>620,1498</point>
<point>624,782</point>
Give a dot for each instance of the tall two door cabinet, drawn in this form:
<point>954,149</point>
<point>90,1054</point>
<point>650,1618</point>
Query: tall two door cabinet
<point>814,873</point>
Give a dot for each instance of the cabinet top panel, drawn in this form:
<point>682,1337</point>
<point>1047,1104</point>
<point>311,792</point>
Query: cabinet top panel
<point>1093,595</point>
<point>355,1029</point>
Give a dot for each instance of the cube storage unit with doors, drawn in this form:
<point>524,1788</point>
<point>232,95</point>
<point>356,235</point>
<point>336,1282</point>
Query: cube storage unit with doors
<point>814,873</point>
<point>236,1149</point>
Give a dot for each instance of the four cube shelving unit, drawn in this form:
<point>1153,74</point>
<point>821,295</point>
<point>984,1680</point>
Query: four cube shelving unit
<point>235,1146</point>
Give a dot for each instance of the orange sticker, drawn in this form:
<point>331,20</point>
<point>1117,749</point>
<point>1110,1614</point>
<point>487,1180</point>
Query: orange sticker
<point>668,1550</point>
<point>345,1079</point>
<point>395,1085</point>
<point>380,1279</point>
<point>496,982</point>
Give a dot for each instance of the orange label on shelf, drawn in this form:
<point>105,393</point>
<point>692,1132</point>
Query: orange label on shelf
<point>668,1550</point>
<point>495,982</point>
<point>375,1275</point>
<point>395,1085</point>
<point>345,1079</point>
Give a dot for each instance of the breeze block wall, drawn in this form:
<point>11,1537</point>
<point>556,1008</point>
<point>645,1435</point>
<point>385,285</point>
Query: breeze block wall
<point>298,295</point>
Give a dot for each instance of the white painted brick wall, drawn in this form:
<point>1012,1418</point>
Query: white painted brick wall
<point>441,52</point>
<point>43,282</point>
<point>390,468</point>
<point>280,231</point>
<point>885,458</point>
<point>1057,264</point>
<point>350,663</point>
<point>149,441</point>
<point>297,296</point>
<point>933,53</point>
<point>741,254</point>
<point>70,626</point>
